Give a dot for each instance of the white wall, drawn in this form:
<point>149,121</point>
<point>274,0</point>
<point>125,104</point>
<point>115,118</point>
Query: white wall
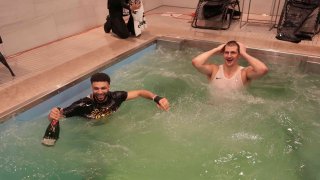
<point>25,24</point>
<point>262,7</point>
<point>181,3</point>
<point>257,6</point>
<point>151,4</point>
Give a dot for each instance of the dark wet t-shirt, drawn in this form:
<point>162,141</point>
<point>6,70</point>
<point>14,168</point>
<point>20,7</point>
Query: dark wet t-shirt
<point>88,107</point>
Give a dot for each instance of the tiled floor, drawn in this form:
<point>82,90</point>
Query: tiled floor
<point>42,70</point>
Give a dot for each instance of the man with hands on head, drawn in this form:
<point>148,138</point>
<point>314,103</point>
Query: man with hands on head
<point>230,75</point>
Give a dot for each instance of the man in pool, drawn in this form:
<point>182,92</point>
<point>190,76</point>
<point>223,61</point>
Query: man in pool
<point>100,103</point>
<point>230,75</point>
<point>103,102</point>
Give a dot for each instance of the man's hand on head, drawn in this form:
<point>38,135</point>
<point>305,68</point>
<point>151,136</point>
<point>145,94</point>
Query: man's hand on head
<point>220,47</point>
<point>243,48</point>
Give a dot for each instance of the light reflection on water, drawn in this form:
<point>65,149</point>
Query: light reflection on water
<point>269,131</point>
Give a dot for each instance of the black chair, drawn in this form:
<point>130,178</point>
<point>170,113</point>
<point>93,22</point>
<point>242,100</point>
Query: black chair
<point>4,61</point>
<point>216,14</point>
<point>299,20</point>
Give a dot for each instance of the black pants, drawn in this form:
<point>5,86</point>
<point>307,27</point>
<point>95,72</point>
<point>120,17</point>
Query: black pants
<point>119,26</point>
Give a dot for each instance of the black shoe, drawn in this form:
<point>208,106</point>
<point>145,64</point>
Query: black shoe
<point>107,25</point>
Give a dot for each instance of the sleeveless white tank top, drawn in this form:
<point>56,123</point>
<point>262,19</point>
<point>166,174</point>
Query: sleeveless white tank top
<point>224,83</point>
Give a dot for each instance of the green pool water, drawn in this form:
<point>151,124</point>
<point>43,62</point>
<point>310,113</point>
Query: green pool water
<point>270,131</point>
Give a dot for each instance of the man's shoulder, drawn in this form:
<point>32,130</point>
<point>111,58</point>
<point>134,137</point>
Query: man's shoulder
<point>215,67</point>
<point>84,99</point>
<point>117,94</point>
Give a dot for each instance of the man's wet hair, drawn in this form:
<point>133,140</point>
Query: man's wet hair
<point>231,43</point>
<point>100,77</point>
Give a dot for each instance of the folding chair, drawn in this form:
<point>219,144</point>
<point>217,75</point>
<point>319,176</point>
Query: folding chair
<point>216,14</point>
<point>299,20</point>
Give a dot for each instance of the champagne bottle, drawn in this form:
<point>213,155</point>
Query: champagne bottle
<point>52,133</point>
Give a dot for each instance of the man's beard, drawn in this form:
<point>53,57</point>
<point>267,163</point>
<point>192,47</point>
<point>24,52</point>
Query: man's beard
<point>100,97</point>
